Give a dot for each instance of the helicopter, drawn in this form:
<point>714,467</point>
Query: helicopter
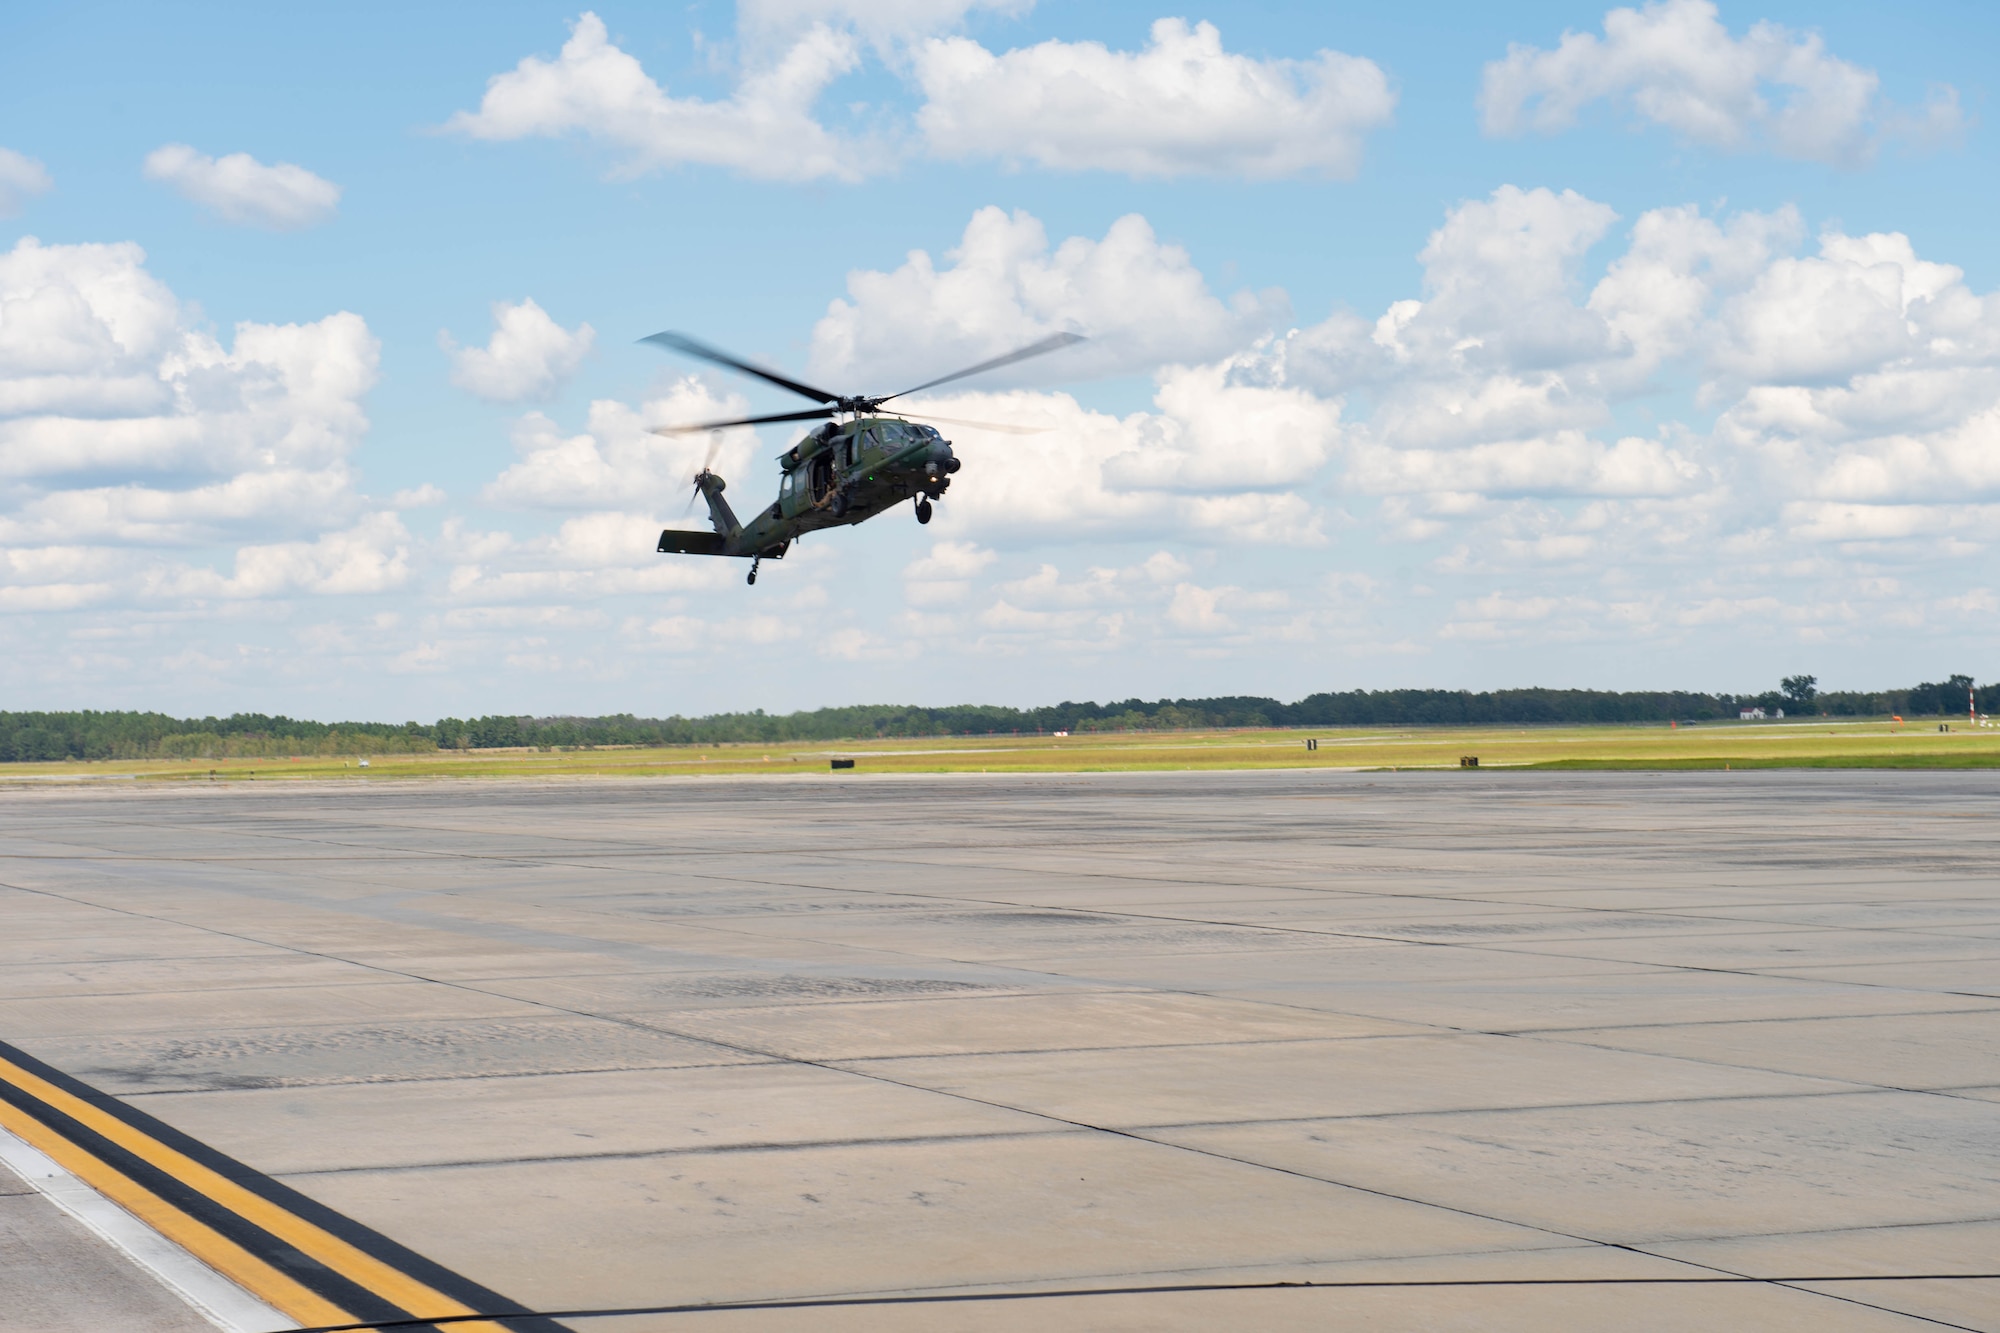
<point>860,463</point>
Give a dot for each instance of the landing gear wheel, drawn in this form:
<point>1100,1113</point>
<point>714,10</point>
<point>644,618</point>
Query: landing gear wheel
<point>753,570</point>
<point>923,511</point>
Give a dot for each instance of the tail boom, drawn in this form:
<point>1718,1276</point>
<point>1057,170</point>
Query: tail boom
<point>728,534</point>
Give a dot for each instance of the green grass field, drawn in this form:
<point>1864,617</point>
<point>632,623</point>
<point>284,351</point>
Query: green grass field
<point>1802,744</point>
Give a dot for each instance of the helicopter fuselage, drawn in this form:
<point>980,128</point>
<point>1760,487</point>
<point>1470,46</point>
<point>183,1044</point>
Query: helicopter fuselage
<point>841,474</point>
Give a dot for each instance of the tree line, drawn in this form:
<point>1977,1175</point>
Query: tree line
<point>26,737</point>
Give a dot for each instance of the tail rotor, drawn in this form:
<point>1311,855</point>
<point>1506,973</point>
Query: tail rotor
<point>707,463</point>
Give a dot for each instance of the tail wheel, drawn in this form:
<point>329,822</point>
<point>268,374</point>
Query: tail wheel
<point>923,511</point>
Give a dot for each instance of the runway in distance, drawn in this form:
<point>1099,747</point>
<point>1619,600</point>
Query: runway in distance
<point>859,464</point>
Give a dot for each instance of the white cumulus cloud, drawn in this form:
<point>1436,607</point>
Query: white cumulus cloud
<point>1823,521</point>
<point>528,356</point>
<point>766,130</point>
<point>1565,463</point>
<point>1217,462</point>
<point>238,188</point>
<point>1861,303</point>
<point>1181,106</point>
<point>372,556</point>
<point>944,575</point>
<point>617,459</point>
<point>1675,64</point>
<point>1873,375</point>
<point>132,440</point>
<point>1141,302</point>
<point>1858,385</point>
<point>1499,276</point>
<point>1149,606</point>
<point>103,376</point>
<point>607,553</point>
<point>21,179</point>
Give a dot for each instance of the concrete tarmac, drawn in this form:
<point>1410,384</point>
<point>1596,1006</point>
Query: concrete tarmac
<point>612,1044</point>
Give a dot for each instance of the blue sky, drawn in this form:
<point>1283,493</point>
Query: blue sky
<point>1664,358</point>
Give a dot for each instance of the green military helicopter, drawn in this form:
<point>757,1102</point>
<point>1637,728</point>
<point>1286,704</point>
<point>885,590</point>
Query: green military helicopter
<point>849,470</point>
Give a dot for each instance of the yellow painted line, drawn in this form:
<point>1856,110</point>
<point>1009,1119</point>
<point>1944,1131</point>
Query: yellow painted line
<point>356,1265</point>
<point>277,1289</point>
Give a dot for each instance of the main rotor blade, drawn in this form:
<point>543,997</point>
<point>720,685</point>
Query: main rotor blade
<point>810,414</point>
<point>680,342</point>
<point>980,425</point>
<point>1054,342</point>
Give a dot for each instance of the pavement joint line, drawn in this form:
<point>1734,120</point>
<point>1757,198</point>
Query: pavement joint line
<point>1235,1043</point>
<point>329,983</point>
<point>1858,1227</point>
<point>1855,1085</point>
<point>700,1150</point>
<point>298,1256</point>
<point>1528,1109</point>
<point>215,1296</point>
<point>1991,1006</point>
<point>1186,1288</point>
<point>1581,910</point>
<point>286,1085</point>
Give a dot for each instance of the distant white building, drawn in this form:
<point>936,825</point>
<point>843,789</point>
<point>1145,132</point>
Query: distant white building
<point>1752,715</point>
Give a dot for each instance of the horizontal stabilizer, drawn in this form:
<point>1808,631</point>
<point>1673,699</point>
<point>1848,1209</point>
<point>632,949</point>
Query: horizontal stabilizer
<point>675,541</point>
